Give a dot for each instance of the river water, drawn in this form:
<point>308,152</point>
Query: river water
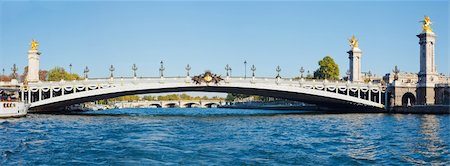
<point>224,137</point>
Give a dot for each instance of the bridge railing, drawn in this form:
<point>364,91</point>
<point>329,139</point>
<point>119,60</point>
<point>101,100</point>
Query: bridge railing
<point>38,91</point>
<point>252,80</point>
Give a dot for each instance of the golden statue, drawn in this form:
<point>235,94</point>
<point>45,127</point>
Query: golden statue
<point>426,24</point>
<point>353,42</point>
<point>34,45</point>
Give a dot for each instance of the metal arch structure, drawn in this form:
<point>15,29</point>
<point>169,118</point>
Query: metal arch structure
<point>46,95</point>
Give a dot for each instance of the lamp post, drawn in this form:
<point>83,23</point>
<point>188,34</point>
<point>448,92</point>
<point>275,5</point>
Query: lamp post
<point>161,69</point>
<point>70,68</point>
<point>278,69</point>
<point>245,69</point>
<point>302,71</point>
<point>14,70</point>
<point>396,71</point>
<point>370,75</point>
<point>228,69</point>
<point>86,71</point>
<point>253,70</point>
<point>134,68</point>
<point>188,68</point>
<point>111,69</point>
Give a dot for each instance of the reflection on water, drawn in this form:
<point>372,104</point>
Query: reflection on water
<point>224,137</point>
<point>432,146</point>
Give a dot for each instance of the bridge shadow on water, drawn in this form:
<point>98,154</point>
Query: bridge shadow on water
<point>196,112</point>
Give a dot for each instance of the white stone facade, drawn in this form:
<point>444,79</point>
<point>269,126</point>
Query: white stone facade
<point>427,75</point>
<point>33,66</point>
<point>354,56</point>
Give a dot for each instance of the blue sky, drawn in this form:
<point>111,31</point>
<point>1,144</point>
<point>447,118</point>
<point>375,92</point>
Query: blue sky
<point>209,35</point>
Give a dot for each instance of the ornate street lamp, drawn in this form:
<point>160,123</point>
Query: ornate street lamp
<point>370,75</point>
<point>111,69</point>
<point>245,70</point>
<point>70,68</point>
<point>14,70</point>
<point>134,68</point>
<point>396,71</point>
<point>86,71</point>
<point>188,68</point>
<point>278,69</point>
<point>161,69</point>
<point>302,71</point>
<point>253,70</point>
<point>228,69</point>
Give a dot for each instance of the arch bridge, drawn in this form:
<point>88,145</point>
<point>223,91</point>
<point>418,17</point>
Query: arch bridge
<point>334,94</point>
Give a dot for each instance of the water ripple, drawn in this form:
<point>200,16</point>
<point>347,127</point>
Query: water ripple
<point>224,137</point>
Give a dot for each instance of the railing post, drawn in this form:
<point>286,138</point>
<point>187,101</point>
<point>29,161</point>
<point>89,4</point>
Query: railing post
<point>51,92</point>
<point>359,92</point>
<point>348,90</point>
<point>29,96</point>
<point>370,94</point>
<point>40,94</point>
<point>379,95</point>
<point>22,97</point>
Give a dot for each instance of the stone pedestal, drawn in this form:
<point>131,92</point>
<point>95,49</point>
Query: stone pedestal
<point>354,56</point>
<point>427,75</point>
<point>425,95</point>
<point>33,66</point>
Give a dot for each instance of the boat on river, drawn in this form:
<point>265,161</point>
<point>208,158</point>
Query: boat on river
<point>10,104</point>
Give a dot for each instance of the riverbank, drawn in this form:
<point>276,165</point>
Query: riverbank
<point>422,109</point>
<point>418,109</point>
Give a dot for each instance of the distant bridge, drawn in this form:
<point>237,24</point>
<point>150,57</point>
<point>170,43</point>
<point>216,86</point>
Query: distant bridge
<point>171,104</point>
<point>49,95</point>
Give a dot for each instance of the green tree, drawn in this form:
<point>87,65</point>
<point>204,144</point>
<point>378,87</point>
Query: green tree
<point>185,96</point>
<point>58,74</point>
<point>149,98</point>
<point>328,69</point>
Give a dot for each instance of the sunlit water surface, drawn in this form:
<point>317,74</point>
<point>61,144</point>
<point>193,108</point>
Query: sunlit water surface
<point>224,137</point>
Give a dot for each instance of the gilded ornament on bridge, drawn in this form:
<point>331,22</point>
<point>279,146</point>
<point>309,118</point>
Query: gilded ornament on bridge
<point>426,24</point>
<point>34,45</point>
<point>207,77</point>
<point>353,42</point>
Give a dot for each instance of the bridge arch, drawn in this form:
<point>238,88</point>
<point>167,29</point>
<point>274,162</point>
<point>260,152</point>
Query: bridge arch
<point>408,99</point>
<point>156,105</point>
<point>191,105</point>
<point>211,104</point>
<point>291,91</point>
<point>171,105</point>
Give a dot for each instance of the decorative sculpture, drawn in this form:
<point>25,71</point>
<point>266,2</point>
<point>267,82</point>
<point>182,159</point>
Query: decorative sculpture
<point>34,45</point>
<point>426,24</point>
<point>353,42</point>
<point>207,77</point>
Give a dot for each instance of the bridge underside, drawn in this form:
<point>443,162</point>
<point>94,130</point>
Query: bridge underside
<point>328,102</point>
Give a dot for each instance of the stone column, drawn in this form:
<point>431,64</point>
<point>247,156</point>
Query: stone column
<point>427,74</point>
<point>33,65</point>
<point>354,56</point>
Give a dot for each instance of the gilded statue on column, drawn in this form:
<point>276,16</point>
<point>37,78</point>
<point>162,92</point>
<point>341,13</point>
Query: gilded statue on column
<point>426,24</point>
<point>34,45</point>
<point>353,42</point>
